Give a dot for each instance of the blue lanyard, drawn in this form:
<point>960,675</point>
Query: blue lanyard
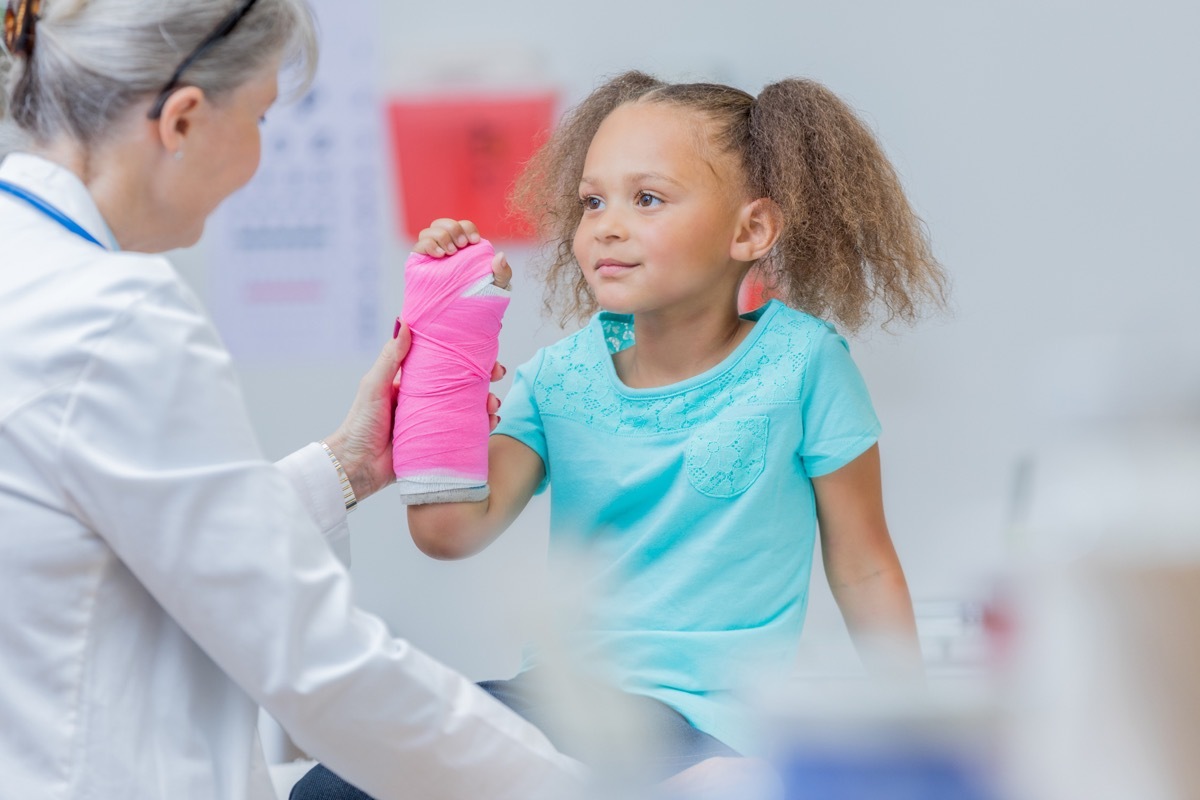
<point>47,209</point>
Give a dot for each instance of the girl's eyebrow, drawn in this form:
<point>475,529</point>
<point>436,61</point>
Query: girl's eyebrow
<point>638,177</point>
<point>653,176</point>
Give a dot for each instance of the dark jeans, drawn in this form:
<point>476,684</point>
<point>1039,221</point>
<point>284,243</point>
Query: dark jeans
<point>667,742</point>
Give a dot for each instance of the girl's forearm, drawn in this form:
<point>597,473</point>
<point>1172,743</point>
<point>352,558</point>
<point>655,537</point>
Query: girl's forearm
<point>458,530</point>
<point>879,615</point>
<point>451,530</point>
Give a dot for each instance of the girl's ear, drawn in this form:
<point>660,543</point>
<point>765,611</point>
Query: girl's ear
<point>758,228</point>
<point>179,116</point>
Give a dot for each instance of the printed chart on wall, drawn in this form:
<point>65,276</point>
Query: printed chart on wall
<point>293,263</point>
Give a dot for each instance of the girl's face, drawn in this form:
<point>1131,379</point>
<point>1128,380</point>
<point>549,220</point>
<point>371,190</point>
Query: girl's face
<point>660,209</point>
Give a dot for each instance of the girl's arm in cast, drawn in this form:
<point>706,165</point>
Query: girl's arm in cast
<point>458,530</point>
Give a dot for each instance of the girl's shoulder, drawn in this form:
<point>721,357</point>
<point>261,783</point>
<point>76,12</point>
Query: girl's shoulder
<point>790,329</point>
<point>784,313</point>
<point>789,346</point>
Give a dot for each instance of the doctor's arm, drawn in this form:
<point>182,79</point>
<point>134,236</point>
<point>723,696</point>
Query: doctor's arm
<point>158,456</point>
<point>864,571</point>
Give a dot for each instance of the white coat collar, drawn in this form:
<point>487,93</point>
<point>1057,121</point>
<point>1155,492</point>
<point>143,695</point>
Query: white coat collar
<point>60,188</point>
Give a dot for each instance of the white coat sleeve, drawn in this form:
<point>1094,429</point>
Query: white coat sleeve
<point>158,456</point>
<point>316,482</point>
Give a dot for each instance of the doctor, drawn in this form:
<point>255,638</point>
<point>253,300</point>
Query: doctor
<point>158,578</point>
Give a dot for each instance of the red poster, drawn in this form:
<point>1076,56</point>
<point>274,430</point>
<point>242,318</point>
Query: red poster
<point>459,156</point>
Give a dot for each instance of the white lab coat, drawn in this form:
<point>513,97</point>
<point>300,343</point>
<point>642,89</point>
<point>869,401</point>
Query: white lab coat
<point>159,578</point>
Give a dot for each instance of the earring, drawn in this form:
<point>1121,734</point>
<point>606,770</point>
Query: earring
<point>179,155</point>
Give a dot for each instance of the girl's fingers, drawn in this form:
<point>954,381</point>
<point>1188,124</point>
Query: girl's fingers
<point>501,271</point>
<point>469,231</point>
<point>446,236</point>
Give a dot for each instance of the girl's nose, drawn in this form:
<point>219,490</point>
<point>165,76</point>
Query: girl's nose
<point>609,225</point>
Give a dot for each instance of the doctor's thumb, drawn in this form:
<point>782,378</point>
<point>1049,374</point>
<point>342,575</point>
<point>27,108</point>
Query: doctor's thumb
<point>395,350</point>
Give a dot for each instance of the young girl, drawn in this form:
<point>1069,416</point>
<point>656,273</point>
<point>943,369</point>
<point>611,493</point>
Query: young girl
<point>693,451</point>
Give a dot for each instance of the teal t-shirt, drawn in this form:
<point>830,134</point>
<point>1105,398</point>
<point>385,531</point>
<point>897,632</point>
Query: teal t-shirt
<point>687,511</point>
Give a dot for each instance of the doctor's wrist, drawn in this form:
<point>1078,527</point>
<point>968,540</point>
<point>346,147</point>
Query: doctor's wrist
<point>345,483</point>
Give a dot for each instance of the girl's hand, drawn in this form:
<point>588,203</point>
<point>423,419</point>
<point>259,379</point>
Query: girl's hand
<point>445,237</point>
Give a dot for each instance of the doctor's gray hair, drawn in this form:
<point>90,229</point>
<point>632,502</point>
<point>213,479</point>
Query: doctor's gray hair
<point>95,60</point>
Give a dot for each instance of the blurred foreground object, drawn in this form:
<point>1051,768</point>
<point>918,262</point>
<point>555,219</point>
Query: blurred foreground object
<point>1104,696</point>
<point>1089,683</point>
<point>853,739</point>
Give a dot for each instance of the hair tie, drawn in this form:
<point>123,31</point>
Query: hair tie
<point>19,25</point>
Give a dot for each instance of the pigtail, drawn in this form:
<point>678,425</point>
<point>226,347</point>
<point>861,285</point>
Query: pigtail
<point>850,238</point>
<point>547,192</point>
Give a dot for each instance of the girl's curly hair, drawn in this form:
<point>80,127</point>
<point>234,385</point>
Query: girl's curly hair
<point>850,240</point>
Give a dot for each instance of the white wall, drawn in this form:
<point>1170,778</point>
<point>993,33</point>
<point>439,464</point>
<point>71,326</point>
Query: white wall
<point>1050,146</point>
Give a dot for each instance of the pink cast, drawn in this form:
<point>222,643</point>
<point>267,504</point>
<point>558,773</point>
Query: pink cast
<point>442,427</point>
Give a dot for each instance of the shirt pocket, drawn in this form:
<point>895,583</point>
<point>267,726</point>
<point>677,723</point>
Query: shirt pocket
<point>725,457</point>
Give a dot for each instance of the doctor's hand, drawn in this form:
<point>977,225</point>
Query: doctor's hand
<point>447,236</point>
<point>363,442</point>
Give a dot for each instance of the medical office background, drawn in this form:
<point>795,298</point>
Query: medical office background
<point>1051,148</point>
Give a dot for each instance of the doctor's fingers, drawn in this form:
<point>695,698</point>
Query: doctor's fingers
<point>395,351</point>
<point>493,402</point>
<point>493,406</point>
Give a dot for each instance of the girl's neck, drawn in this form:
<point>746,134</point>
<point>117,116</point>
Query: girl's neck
<point>671,350</point>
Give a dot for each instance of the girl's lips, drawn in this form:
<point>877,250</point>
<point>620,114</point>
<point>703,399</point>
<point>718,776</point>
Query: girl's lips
<point>608,267</point>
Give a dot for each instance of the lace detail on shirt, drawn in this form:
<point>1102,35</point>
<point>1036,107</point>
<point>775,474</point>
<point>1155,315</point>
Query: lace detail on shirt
<point>726,456</point>
<point>618,333</point>
<point>574,379</point>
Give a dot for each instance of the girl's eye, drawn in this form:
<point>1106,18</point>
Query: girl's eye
<point>591,203</point>
<point>647,200</point>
